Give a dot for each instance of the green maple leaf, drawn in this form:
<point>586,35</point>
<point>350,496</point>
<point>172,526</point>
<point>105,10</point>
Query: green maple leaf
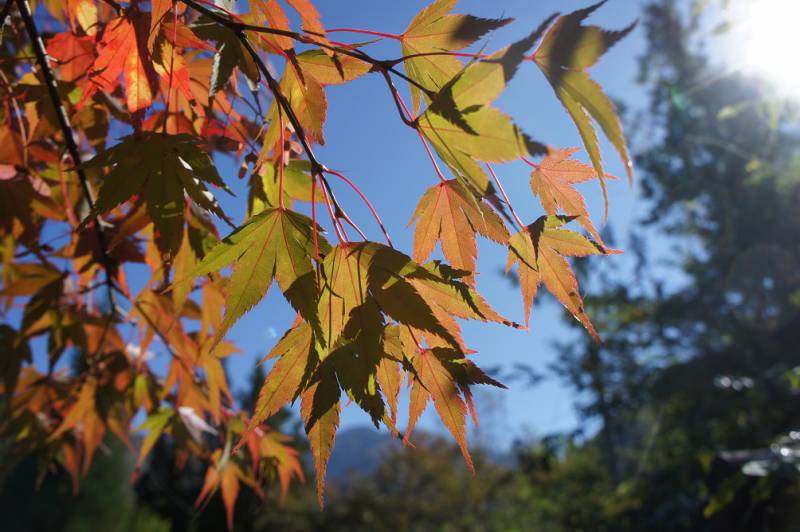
<point>230,54</point>
<point>284,381</point>
<point>274,244</point>
<point>297,180</point>
<point>164,169</point>
<point>435,29</point>
<point>462,125</point>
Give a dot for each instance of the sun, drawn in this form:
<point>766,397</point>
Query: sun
<point>769,45</point>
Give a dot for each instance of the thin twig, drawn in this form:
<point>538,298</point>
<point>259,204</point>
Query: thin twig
<point>505,197</point>
<point>365,32</point>
<point>314,215</point>
<point>334,221</point>
<point>274,87</point>
<point>422,139</point>
<point>366,201</point>
<point>69,138</point>
<point>342,48</point>
<point>407,120</point>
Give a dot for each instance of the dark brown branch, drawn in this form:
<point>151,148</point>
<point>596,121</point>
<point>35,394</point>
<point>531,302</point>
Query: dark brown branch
<point>69,139</point>
<point>275,88</point>
<point>4,13</point>
<point>378,65</point>
<point>317,168</point>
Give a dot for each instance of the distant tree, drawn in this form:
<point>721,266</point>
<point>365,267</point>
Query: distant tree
<point>700,362</point>
<point>32,501</point>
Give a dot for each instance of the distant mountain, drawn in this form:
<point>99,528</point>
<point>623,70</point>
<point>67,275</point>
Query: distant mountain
<point>358,450</point>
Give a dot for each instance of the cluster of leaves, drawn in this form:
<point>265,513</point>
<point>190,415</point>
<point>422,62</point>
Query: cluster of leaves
<point>180,83</point>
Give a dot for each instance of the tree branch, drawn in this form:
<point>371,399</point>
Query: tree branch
<point>379,65</point>
<point>69,139</point>
<point>4,13</point>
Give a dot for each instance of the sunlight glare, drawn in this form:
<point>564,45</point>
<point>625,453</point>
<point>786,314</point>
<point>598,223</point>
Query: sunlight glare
<point>771,43</point>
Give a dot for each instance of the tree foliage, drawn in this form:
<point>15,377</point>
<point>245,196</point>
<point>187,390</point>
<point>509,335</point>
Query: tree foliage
<point>113,124</point>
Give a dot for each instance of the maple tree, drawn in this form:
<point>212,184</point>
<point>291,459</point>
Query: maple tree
<point>111,124</point>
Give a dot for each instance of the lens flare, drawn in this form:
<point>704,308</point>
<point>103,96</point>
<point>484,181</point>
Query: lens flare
<point>770,43</point>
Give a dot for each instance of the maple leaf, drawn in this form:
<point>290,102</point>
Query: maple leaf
<point>434,381</point>
<point>271,12</point>
<point>450,297</point>
<point>283,382</point>
<point>331,69</point>
<point>566,50</point>
<point>84,13</point>
<point>435,29</point>
<point>122,51</point>
<point>463,127</point>
<point>174,74</point>
<point>83,411</point>
<point>356,275</point>
<point>487,134</point>
<point>224,474</point>
<point>539,251</point>
<point>552,181</point>
<point>303,84</point>
<point>369,317</point>
<point>275,447</point>
<point>159,10</point>
<point>309,16</point>
<point>296,186</point>
<point>450,214</point>
<point>163,168</point>
<point>389,373</point>
<point>75,55</point>
<point>230,54</point>
<point>343,288</point>
<point>356,360</point>
<point>274,244</point>
<point>481,81</point>
<point>156,424</point>
<point>306,96</point>
<point>320,408</point>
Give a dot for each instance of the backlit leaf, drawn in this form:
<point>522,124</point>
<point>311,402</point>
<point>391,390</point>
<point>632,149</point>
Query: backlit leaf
<point>123,52</point>
<point>274,244</point>
<point>450,214</point>
<point>283,381</point>
<point>435,29</point>
<point>539,251</point>
<point>163,168</point>
<point>449,405</point>
<point>552,181</point>
<point>566,50</point>
<point>320,408</point>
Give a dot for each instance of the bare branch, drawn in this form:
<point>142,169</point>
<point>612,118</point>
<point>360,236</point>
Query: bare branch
<point>69,138</point>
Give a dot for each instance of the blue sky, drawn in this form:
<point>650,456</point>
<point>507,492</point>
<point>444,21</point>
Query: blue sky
<point>367,141</point>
